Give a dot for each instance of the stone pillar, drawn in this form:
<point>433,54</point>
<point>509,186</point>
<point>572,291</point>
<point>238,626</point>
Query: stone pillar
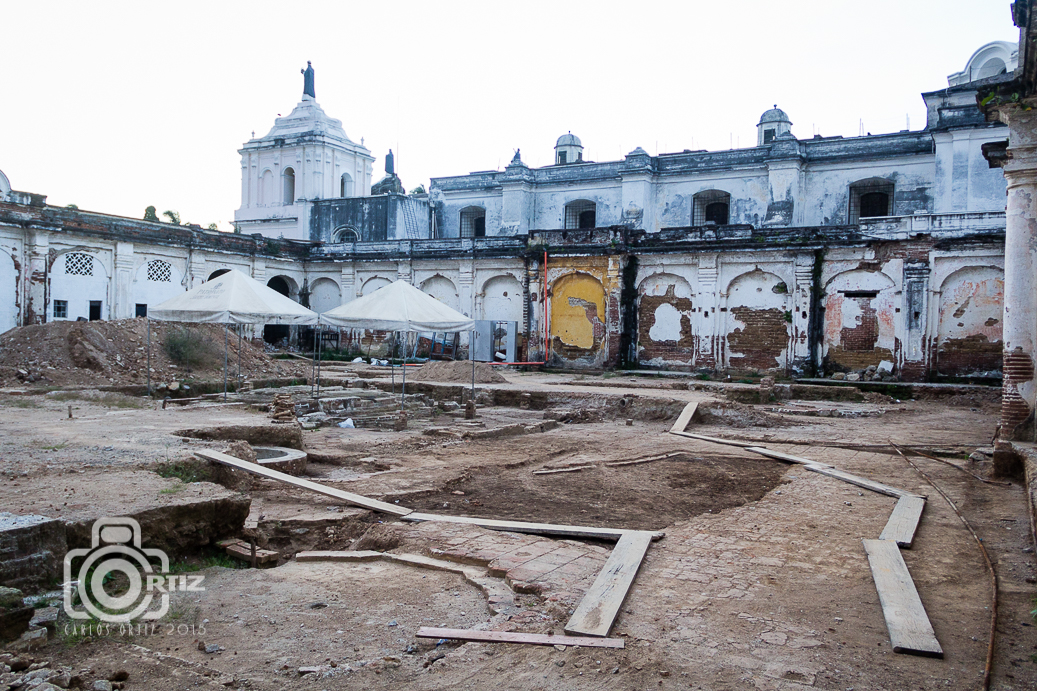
<point>613,308</point>
<point>37,278</point>
<point>347,282</point>
<point>708,305</point>
<point>1019,395</point>
<point>801,294</point>
<point>123,306</point>
<point>916,318</point>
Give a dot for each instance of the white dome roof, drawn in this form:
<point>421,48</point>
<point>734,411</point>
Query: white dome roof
<point>775,114</point>
<point>568,139</point>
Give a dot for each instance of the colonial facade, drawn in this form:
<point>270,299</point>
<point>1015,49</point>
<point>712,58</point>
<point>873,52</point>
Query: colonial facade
<point>796,255</point>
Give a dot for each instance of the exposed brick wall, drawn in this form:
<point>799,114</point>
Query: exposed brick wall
<point>681,350</point>
<point>960,356</point>
<point>760,343</point>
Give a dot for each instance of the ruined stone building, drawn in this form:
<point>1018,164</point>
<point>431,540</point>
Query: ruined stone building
<point>794,255</point>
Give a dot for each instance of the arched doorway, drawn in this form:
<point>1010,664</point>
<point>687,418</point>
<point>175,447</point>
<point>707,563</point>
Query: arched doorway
<point>275,333</point>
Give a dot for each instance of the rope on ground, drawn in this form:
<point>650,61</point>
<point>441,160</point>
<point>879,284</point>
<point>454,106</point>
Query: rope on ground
<point>990,566</point>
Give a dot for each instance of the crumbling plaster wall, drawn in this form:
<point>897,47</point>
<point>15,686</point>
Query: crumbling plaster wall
<point>583,308</point>
<point>666,321</point>
<point>757,320</point>
<point>11,260</point>
<point>749,194</point>
<point>448,209</point>
<point>549,204</point>
<point>827,187</point>
<point>968,339</point>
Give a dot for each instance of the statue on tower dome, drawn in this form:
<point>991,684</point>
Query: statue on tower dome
<point>307,87</point>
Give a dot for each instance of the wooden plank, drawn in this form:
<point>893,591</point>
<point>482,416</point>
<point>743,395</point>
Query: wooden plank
<point>685,417</point>
<point>903,522</point>
<point>715,440</point>
<point>512,637</point>
<point>638,461</point>
<point>784,456</point>
<point>573,469</point>
<point>906,620</point>
<point>599,607</point>
<point>860,481</point>
<point>332,555</point>
<point>533,528</point>
<point>263,471</point>
<point>243,551</point>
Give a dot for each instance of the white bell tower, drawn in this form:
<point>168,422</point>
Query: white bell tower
<point>305,156</point>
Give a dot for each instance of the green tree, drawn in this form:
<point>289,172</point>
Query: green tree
<point>72,206</point>
<point>212,226</point>
<point>420,189</point>
<point>173,216</point>
<point>150,215</point>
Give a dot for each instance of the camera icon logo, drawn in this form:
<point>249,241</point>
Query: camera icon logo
<point>115,549</point>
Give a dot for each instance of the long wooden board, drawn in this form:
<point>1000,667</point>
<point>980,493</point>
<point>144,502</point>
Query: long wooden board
<point>860,481</point>
<point>533,528</point>
<point>599,607</point>
<point>715,440</point>
<point>638,461</point>
<point>554,471</point>
<point>685,417</point>
<point>784,456</point>
<point>909,628</point>
<point>903,522</point>
<point>349,498</point>
<point>511,637</point>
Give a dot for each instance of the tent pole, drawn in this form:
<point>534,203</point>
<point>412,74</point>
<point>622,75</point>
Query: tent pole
<point>313,365</point>
<point>148,320</point>
<point>392,367</point>
<point>240,328</point>
<point>226,338</point>
<point>471,352</point>
<point>320,352</point>
<point>403,390</point>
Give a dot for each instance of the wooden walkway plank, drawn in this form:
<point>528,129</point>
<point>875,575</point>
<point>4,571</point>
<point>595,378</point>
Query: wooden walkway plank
<point>638,461</point>
<point>715,440</point>
<point>533,528</point>
<point>860,481</point>
<point>599,607</point>
<point>785,457</point>
<point>685,417</point>
<point>349,498</point>
<point>903,522</point>
<point>511,637</point>
<point>909,628</point>
<point>554,471</point>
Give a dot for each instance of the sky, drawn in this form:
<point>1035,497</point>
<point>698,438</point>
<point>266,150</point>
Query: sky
<point>114,106</point>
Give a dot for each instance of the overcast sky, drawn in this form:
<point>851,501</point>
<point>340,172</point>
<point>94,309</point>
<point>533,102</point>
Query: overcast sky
<point>115,106</point>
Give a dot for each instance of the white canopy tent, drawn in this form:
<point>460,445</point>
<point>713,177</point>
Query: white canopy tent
<point>399,306</point>
<point>230,298</point>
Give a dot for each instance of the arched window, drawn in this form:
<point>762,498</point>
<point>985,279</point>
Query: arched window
<point>870,198</point>
<point>346,186</point>
<point>345,234</point>
<point>216,273</point>
<point>289,186</point>
<point>711,206</point>
<point>473,222</point>
<point>580,214</point>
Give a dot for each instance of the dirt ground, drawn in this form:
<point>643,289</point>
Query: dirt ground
<point>760,582</point>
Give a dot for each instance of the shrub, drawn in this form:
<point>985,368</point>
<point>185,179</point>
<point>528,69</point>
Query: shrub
<point>188,347</point>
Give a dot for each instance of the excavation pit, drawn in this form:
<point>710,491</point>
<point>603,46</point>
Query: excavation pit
<point>647,496</point>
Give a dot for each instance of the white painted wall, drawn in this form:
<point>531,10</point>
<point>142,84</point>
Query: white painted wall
<point>325,294</point>
<point>502,299</point>
<point>154,292</point>
<point>8,292</point>
<point>78,290</point>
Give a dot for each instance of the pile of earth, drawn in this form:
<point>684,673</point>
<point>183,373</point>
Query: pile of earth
<point>457,372</point>
<point>67,353</point>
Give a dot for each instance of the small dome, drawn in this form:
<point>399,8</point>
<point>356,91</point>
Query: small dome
<point>568,139</point>
<point>775,114</point>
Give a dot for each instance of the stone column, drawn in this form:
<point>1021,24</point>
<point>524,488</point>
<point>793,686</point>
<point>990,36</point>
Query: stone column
<point>708,305</point>
<point>37,278</point>
<point>1020,314</point>
<point>916,307</point>
<point>123,306</point>
<point>801,294</point>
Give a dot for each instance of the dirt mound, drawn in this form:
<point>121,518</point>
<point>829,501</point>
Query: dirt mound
<point>101,353</point>
<point>457,372</point>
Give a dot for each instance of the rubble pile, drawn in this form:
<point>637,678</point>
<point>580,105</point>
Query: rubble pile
<point>882,372</point>
<point>100,353</point>
<point>282,408</point>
